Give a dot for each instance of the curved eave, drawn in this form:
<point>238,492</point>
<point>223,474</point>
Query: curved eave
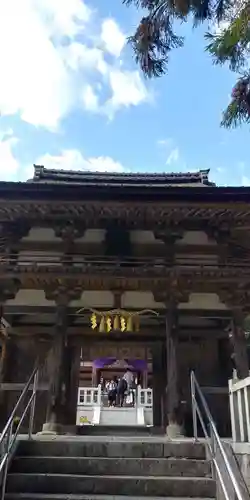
<point>37,192</point>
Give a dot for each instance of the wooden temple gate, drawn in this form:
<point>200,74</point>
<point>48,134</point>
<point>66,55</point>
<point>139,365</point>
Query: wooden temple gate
<point>131,242</point>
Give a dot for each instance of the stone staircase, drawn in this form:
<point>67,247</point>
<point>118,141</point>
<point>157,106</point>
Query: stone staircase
<point>118,416</point>
<point>120,430</point>
<point>98,470</point>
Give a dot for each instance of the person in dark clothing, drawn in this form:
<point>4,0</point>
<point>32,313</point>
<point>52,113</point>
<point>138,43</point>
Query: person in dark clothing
<point>112,393</point>
<point>121,390</point>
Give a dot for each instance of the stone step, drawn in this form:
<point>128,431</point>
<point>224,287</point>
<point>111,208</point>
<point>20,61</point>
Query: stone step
<point>120,430</point>
<point>43,496</point>
<point>148,486</point>
<point>112,466</point>
<point>112,449</point>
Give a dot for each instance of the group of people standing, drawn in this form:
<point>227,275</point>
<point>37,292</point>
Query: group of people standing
<point>119,389</point>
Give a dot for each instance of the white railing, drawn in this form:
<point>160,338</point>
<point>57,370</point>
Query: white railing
<point>92,396</point>
<point>89,396</point>
<point>92,403</point>
<point>231,485</point>
<point>239,399</point>
<point>144,397</point>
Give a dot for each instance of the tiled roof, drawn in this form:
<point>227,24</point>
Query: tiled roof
<point>42,174</point>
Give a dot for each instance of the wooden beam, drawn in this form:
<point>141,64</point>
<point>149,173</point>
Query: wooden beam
<point>147,332</point>
<point>108,275</point>
<point>97,249</point>
<point>35,310</point>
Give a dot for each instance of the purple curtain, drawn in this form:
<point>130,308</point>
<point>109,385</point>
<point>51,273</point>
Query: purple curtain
<point>134,364</point>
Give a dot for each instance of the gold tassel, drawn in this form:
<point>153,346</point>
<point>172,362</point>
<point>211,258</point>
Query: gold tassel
<point>108,324</point>
<point>123,324</point>
<point>129,324</point>
<point>102,325</point>
<point>93,321</point>
<point>116,325</point>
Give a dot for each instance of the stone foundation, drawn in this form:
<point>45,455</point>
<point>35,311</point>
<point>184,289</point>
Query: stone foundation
<point>54,428</point>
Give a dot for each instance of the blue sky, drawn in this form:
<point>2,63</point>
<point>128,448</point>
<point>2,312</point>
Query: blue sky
<point>72,97</point>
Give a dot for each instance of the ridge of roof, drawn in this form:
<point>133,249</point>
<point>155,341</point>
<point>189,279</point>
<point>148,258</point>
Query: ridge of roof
<point>41,170</point>
<point>49,175</point>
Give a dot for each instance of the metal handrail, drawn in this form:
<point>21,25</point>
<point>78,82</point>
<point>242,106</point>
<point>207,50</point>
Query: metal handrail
<point>213,441</point>
<point>8,436</point>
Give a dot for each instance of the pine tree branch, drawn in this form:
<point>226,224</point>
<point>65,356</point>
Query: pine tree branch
<point>222,7</point>
<point>153,40</point>
<point>235,115</point>
<point>238,111</point>
<point>232,45</point>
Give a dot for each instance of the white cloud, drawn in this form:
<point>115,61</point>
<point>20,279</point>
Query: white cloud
<point>62,17</point>
<point>90,98</point>
<point>78,56</point>
<point>104,164</point>
<point>12,169</point>
<point>245,181</point>
<point>112,37</point>
<point>166,143</point>
<point>45,69</point>
<point>72,159</point>
<point>173,156</point>
<point>34,79</point>
<point>127,90</point>
<point>8,163</point>
<point>220,170</point>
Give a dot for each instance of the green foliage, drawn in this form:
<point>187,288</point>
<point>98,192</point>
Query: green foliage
<point>236,114</point>
<point>155,38</point>
<point>152,42</point>
<point>232,46</point>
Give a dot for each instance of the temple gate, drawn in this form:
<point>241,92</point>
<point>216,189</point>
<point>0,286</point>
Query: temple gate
<point>174,244</point>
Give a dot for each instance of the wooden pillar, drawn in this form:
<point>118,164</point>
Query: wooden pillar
<point>239,345</point>
<point>7,364</point>
<point>8,290</point>
<point>72,384</point>
<point>174,414</point>
<point>157,384</point>
<point>164,386</point>
<point>145,379</point>
<point>56,415</point>
<point>4,346</point>
<point>94,377</point>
